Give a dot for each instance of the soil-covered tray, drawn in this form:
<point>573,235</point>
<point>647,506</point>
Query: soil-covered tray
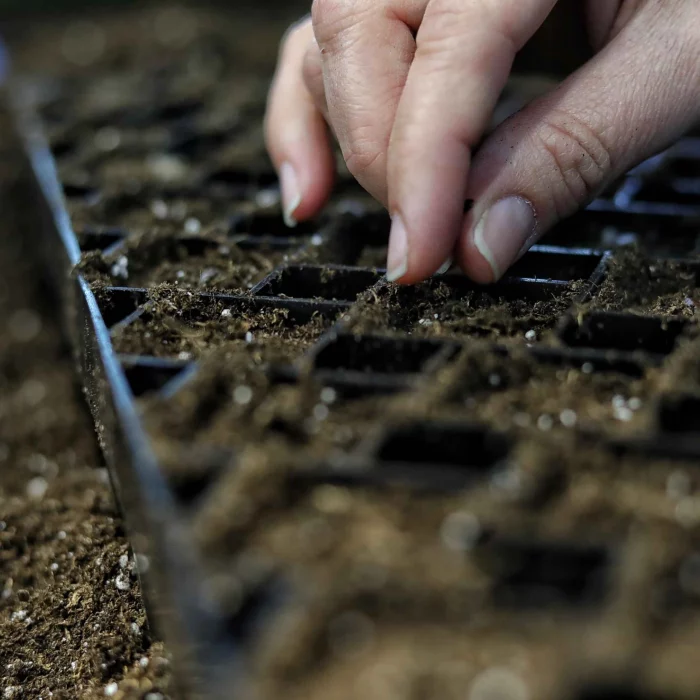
<point>345,488</point>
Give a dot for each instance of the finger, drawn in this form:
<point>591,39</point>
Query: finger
<point>296,134</point>
<point>630,101</point>
<point>313,78</point>
<point>465,49</point>
<point>367,47</point>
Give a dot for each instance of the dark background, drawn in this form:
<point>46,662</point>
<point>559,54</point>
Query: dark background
<point>560,46</point>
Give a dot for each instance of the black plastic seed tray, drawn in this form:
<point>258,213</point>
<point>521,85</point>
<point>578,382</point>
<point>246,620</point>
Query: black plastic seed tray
<point>340,388</point>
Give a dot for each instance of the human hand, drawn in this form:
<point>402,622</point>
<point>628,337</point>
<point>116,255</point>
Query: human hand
<point>409,86</point>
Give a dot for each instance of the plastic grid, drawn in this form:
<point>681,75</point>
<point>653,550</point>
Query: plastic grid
<point>657,206</point>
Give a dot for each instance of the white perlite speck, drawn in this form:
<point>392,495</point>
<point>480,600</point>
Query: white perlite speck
<point>249,338</point>
<point>193,226</point>
<point>531,335</point>
<point>37,487</point>
<point>124,561</point>
<point>328,395</point>
<point>242,395</point>
<point>111,689</point>
<point>226,313</point>
<point>568,418</point>
<point>122,582</point>
<point>460,531</point>
<point>120,268</point>
<point>545,422</point>
<point>622,413</point>
<point>320,411</point>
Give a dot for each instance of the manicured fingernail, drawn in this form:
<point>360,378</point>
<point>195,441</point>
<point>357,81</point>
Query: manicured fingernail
<point>503,231</point>
<point>397,262</point>
<point>291,196</point>
<point>445,266</point>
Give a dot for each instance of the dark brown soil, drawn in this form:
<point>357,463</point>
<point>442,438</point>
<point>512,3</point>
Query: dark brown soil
<point>160,258</point>
<point>176,325</point>
<point>567,552</point>
<point>71,619</point>
<point>448,307</point>
<point>642,285</point>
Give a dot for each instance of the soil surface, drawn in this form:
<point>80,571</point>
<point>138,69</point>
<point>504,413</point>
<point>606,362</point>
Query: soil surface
<point>396,492</point>
<point>72,624</point>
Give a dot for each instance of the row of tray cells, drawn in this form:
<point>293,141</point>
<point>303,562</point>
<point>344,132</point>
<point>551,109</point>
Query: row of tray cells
<point>598,342</point>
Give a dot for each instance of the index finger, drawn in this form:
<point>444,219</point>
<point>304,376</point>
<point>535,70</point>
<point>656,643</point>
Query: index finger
<point>465,51</point>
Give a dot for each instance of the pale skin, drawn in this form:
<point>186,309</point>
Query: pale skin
<point>408,88</point>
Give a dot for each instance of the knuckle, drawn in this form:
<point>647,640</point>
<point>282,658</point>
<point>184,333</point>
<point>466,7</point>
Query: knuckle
<point>329,18</point>
<point>361,156</point>
<point>580,159</point>
<point>332,18</point>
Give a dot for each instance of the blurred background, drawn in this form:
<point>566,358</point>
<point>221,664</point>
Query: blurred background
<point>560,46</point>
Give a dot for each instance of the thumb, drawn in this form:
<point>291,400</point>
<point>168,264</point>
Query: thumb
<point>631,100</point>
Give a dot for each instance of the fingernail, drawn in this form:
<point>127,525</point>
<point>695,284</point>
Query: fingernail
<point>291,196</point>
<point>397,262</point>
<point>503,231</point>
<point>445,266</point>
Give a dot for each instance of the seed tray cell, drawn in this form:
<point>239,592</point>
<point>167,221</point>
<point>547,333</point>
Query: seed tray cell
<point>534,574</point>
<point>551,263</point>
<point>318,453</point>
<point>469,448</point>
<point>104,241</point>
<point>147,374</point>
<point>380,356</point>
<point>623,332</point>
<point>329,282</point>
<point>270,226</point>
<point>217,320</point>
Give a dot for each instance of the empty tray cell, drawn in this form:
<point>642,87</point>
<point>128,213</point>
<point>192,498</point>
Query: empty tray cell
<point>683,192</point>
<point>679,413</point>
<point>532,574</point>
<point>458,445</point>
<point>377,355</point>
<point>190,469</point>
<point>590,361</point>
<point>624,332</point>
<point>329,283</point>
<point>118,303</point>
<point>270,226</point>
<point>100,240</point>
<point>362,239</point>
<point>660,233</point>
<point>509,289</point>
<point>147,375</point>
<point>681,167</point>
<point>86,193</point>
<point>556,264</point>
